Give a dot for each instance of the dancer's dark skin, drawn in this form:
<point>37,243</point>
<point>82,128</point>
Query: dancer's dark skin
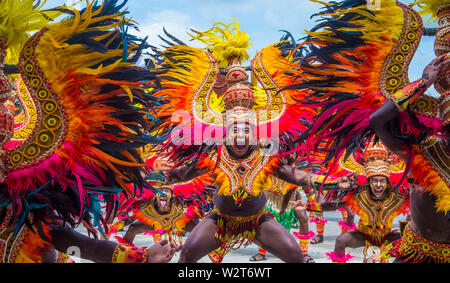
<point>319,217</point>
<point>302,218</point>
<point>138,227</point>
<point>96,250</point>
<point>425,221</point>
<point>101,251</point>
<point>270,235</point>
<point>303,221</point>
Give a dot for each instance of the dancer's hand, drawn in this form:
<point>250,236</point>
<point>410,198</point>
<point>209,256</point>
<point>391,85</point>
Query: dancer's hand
<point>347,182</point>
<point>319,216</point>
<point>436,67</point>
<point>298,204</point>
<point>162,252</point>
<point>90,229</point>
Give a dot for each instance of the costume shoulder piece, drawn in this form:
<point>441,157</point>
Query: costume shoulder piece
<point>81,89</point>
<point>358,58</point>
<point>431,171</point>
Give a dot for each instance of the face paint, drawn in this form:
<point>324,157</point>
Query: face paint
<point>378,185</point>
<point>240,139</point>
<point>163,202</point>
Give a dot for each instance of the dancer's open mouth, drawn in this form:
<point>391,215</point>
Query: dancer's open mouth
<point>240,146</point>
<point>378,191</point>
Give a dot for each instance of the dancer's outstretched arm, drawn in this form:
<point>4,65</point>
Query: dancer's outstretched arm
<point>177,175</point>
<point>102,251</point>
<point>332,205</point>
<point>302,178</point>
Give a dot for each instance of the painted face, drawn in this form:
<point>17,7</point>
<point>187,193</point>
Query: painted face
<point>239,139</point>
<point>378,185</point>
<point>163,203</point>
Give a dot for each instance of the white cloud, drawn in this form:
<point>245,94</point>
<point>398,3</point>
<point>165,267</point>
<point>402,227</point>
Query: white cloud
<point>175,22</point>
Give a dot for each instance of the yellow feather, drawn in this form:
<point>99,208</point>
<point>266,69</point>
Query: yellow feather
<point>373,24</point>
<point>225,43</point>
<point>430,8</point>
<point>17,19</point>
<point>128,91</point>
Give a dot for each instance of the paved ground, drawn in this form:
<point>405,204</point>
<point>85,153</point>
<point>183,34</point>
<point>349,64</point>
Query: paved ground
<point>317,251</point>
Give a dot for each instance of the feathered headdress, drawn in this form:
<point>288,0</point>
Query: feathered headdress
<point>17,19</point>
<point>431,8</point>
<point>85,128</point>
<point>226,42</point>
<point>358,59</point>
<point>375,160</point>
<point>193,76</point>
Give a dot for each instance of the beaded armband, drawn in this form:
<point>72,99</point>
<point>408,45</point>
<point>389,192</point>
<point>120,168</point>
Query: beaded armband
<point>129,254</point>
<point>314,206</point>
<point>409,94</point>
<point>330,185</point>
<point>311,198</point>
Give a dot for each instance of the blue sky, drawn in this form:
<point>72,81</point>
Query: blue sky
<point>261,19</point>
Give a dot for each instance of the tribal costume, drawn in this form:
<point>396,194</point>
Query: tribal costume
<point>376,215</point>
<point>320,221</point>
<point>431,158</point>
<point>275,201</point>
<point>358,61</point>
<point>25,246</point>
<point>74,148</point>
<point>186,203</point>
<point>184,209</point>
<point>215,99</point>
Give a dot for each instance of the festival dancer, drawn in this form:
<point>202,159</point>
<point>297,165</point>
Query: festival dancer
<point>242,166</point>
<point>161,214</point>
<point>76,149</point>
<point>376,202</point>
<point>368,92</point>
<point>426,238</point>
<point>169,212</point>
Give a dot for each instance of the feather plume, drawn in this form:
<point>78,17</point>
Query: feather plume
<point>430,8</point>
<point>17,19</point>
<point>225,42</point>
<point>93,157</point>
